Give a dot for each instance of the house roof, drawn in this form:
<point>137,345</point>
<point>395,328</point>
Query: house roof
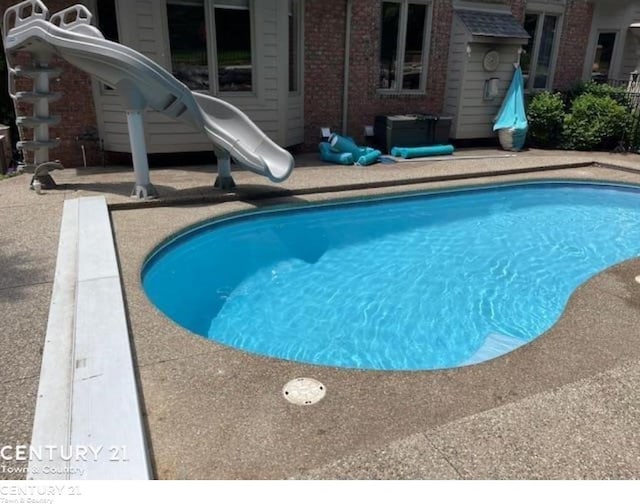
<point>492,24</point>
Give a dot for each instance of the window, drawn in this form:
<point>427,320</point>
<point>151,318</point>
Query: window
<point>537,62</point>
<point>211,38</point>
<point>604,55</point>
<point>107,19</point>
<point>188,42</point>
<point>404,44</point>
<point>233,46</point>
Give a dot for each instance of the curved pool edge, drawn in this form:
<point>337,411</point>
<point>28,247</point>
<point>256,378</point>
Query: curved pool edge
<point>483,355</point>
<point>181,377</point>
<point>274,205</point>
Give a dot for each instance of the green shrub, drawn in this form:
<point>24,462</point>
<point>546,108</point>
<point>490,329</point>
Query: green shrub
<point>619,94</point>
<point>545,113</point>
<point>595,122</point>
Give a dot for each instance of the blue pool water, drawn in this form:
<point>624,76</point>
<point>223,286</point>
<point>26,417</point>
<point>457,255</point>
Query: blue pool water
<point>421,282</point>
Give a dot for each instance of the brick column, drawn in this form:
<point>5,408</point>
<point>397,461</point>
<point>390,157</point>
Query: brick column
<point>573,43</point>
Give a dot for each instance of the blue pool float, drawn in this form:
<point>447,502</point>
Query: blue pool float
<point>414,152</point>
<point>344,144</point>
<point>371,156</point>
<point>328,155</point>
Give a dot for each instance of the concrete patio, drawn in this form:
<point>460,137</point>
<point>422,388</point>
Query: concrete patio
<point>565,406</point>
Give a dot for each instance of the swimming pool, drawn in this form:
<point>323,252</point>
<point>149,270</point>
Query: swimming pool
<point>406,283</point>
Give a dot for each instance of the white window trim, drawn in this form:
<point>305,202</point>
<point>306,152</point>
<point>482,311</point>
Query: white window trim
<point>212,52</point>
<point>555,50</point>
<point>402,37</point>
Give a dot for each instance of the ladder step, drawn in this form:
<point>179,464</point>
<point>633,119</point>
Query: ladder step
<point>32,122</point>
<point>37,144</point>
<point>31,71</point>
<point>32,96</point>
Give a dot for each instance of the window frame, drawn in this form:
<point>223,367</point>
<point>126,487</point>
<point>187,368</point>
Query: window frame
<point>614,51</point>
<point>298,20</point>
<point>401,46</point>
<point>92,5</point>
<point>533,62</point>
<point>212,51</point>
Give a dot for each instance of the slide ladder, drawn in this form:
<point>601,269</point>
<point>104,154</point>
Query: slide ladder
<point>40,71</point>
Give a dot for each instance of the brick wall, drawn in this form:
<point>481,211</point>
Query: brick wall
<point>573,43</point>
<point>324,27</point>
<point>76,107</point>
<point>324,66</point>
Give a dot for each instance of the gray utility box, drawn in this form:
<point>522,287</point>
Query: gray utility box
<point>411,130</point>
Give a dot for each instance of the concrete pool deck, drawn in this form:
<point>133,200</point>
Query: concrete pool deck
<point>565,406</point>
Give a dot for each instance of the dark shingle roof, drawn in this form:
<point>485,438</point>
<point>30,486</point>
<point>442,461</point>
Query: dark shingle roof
<point>492,24</point>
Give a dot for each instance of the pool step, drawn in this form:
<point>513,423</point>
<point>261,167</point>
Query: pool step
<point>495,345</point>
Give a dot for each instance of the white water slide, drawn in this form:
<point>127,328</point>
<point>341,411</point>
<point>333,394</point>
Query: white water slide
<point>141,83</point>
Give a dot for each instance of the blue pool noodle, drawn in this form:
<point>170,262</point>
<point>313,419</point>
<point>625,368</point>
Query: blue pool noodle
<point>343,144</point>
<point>413,152</point>
<point>371,156</point>
<point>330,156</point>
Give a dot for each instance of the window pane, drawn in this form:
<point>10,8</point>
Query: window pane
<point>602,60</point>
<point>107,22</point>
<point>389,44</point>
<point>188,41</point>
<point>294,34</point>
<point>544,53</point>
<point>233,45</point>
<point>530,25</point>
<point>412,69</point>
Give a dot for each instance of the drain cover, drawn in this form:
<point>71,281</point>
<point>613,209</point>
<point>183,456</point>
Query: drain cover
<point>304,391</point>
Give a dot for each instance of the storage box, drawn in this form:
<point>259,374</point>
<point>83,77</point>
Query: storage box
<point>442,130</point>
<point>410,130</point>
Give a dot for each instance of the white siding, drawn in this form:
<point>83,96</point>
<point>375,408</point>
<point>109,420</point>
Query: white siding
<point>455,72</point>
<point>295,121</point>
<point>475,114</point>
<point>143,26</point>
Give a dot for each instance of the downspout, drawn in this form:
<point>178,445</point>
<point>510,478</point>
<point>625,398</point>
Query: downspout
<point>347,54</point>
